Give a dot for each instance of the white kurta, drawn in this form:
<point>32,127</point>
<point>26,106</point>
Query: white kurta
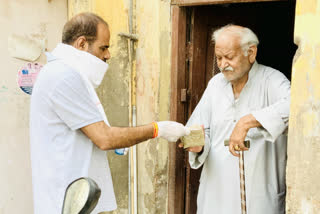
<point>266,95</point>
<point>62,102</point>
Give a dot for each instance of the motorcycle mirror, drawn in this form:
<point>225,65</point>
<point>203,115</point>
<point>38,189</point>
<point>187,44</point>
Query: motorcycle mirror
<point>81,196</point>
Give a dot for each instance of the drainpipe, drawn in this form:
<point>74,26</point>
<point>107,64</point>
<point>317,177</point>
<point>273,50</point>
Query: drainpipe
<point>132,181</point>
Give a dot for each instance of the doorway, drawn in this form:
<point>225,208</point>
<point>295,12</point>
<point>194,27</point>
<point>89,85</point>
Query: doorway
<point>193,65</point>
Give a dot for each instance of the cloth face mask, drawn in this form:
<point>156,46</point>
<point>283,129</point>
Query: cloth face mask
<point>87,64</point>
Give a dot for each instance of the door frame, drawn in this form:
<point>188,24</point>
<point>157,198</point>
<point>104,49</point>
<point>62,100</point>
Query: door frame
<point>210,2</point>
<point>178,104</point>
<point>176,170</point>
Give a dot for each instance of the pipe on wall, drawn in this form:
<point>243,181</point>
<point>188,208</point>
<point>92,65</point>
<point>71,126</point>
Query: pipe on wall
<point>132,206</point>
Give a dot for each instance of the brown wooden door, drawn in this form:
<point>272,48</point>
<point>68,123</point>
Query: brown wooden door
<point>273,23</point>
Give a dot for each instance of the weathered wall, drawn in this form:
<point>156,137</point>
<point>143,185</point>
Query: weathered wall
<point>153,25</point>
<point>37,19</point>
<point>153,95</point>
<point>303,171</point>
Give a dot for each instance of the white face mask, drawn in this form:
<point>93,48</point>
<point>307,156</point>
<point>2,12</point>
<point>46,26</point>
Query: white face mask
<point>95,75</point>
<point>85,63</point>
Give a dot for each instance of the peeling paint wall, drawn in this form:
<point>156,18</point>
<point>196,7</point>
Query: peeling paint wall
<point>41,22</point>
<point>303,170</point>
<point>153,95</point>
<point>152,23</point>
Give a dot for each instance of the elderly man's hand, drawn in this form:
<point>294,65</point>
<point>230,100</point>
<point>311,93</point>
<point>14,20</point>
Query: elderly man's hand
<point>237,138</point>
<point>239,133</point>
<point>196,149</point>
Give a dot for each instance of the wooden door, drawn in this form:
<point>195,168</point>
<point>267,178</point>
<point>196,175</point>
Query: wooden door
<point>273,23</point>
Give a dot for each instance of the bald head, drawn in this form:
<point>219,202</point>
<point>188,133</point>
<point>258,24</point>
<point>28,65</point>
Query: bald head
<point>83,24</point>
<point>234,33</point>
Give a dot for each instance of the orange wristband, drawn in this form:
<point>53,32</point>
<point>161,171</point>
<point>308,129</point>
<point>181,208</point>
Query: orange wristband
<point>155,129</point>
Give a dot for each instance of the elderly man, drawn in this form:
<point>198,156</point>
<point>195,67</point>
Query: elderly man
<point>249,101</point>
<point>68,127</point>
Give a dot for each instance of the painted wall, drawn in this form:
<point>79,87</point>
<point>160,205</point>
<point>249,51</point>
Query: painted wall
<point>153,25</point>
<point>303,171</point>
<point>37,20</point>
<point>153,95</point>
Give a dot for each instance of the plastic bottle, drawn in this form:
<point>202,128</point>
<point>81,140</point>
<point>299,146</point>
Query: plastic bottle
<point>122,151</point>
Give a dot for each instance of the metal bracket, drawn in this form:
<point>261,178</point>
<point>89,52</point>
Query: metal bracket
<point>129,36</point>
<point>184,95</point>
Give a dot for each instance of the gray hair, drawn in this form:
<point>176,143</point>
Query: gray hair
<point>247,36</point>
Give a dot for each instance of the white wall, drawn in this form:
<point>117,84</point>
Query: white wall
<point>37,19</point>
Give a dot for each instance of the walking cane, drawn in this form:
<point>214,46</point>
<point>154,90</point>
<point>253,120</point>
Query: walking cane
<point>242,176</point>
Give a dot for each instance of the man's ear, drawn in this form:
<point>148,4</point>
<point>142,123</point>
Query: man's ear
<point>252,53</point>
<point>81,43</point>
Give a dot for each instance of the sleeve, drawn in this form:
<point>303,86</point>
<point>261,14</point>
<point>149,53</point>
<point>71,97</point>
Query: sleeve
<point>202,116</point>
<point>274,118</point>
<point>72,102</point>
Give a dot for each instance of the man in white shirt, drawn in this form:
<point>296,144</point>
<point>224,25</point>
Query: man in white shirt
<point>249,101</point>
<point>69,130</point>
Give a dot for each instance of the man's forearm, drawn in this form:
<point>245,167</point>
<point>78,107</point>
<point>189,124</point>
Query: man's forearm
<point>106,137</point>
<point>120,137</point>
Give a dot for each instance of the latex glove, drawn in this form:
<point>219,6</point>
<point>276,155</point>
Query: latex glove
<point>172,131</point>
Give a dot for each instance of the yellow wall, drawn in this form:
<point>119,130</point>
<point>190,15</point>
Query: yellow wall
<point>153,94</point>
<point>303,171</point>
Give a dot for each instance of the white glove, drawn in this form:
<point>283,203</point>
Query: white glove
<point>172,131</point>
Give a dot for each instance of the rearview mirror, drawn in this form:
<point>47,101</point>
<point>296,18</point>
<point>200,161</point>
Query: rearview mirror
<point>81,196</point>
